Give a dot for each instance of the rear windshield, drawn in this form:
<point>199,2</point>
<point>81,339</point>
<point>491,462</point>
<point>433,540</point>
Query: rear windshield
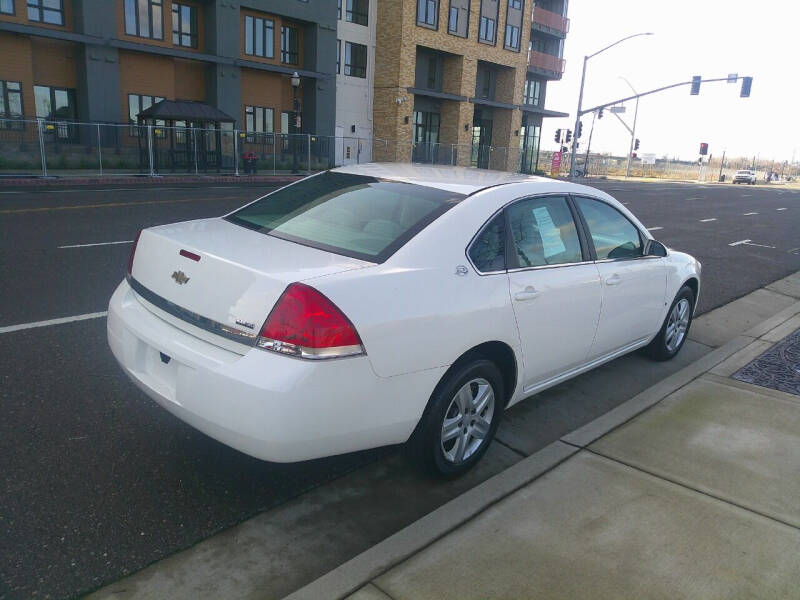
<point>353,215</point>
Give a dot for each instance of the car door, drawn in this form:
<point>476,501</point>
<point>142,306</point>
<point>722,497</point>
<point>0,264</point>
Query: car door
<point>554,286</point>
<point>633,285</point>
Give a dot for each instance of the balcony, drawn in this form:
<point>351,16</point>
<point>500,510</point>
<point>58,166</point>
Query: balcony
<point>550,22</point>
<point>547,65</point>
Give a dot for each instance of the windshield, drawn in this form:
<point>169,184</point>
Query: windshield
<point>353,215</point>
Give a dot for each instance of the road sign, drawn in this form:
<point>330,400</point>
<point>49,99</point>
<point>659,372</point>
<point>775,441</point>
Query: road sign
<point>648,159</point>
<point>555,166</point>
<point>617,109</point>
<point>733,77</point>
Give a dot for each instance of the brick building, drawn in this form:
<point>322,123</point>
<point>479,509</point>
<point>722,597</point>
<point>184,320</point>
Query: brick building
<point>464,80</point>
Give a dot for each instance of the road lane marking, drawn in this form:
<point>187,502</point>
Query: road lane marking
<point>707,220</point>
<point>654,228</point>
<point>780,209</point>
<point>111,205</point>
<point>749,243</point>
<point>697,198</point>
<point>48,323</point>
<point>749,214</point>
<point>97,244</point>
<point>746,195</point>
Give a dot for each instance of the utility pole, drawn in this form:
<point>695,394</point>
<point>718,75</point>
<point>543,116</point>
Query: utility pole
<point>721,164</point>
<point>588,147</point>
<point>633,129</point>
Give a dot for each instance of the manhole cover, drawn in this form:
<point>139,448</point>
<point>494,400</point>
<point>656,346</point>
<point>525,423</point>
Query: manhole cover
<point>778,368</point>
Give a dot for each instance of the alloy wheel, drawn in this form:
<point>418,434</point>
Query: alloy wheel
<point>677,325</point>
<point>467,421</point>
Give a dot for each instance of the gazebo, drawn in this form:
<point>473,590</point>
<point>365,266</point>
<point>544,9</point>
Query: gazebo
<point>186,135</point>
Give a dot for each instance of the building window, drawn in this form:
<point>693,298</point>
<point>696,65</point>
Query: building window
<point>259,37</point>
<point>285,122</point>
<point>487,30</point>
<point>339,14</point>
<point>184,25</point>
<point>258,121</point>
<point>10,104</point>
<point>517,4</point>
<point>537,45</point>
<point>45,11</point>
<point>136,104</point>
<point>143,19</point>
<point>458,18</point>
<point>355,59</point>
<point>532,91</point>
<point>433,63</point>
<point>428,13</point>
<point>290,44</point>
<point>452,21</point>
<point>512,37</point>
<point>7,7</point>
<point>56,104</point>
<point>426,127</point>
<point>357,11</point>
<point>338,56</point>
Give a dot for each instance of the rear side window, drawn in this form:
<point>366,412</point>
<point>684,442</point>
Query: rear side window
<point>487,252</point>
<point>353,215</point>
<point>613,235</point>
<point>544,232</point>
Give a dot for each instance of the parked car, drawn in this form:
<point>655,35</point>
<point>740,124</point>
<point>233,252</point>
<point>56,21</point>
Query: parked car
<point>745,176</point>
<point>384,304</point>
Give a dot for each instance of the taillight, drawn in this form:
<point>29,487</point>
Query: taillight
<point>133,252</point>
<point>306,324</point>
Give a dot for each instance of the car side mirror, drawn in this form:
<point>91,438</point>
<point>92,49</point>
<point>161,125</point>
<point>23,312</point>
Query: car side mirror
<point>655,248</point>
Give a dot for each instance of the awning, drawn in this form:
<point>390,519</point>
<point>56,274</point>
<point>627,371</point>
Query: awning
<point>185,110</point>
<point>542,111</point>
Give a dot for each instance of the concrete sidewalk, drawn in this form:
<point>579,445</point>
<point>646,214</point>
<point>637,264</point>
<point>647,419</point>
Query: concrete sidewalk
<point>690,490</point>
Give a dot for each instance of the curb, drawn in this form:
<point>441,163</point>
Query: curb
<point>43,182</point>
<point>360,570</point>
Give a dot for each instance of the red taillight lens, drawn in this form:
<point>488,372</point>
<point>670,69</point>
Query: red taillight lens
<point>305,323</point>
<point>133,252</point>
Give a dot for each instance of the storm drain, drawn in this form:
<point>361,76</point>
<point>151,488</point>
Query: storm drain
<point>778,368</point>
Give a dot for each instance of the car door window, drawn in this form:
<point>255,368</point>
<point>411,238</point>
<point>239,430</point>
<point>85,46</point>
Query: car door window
<point>487,252</point>
<point>613,235</point>
<point>544,233</point>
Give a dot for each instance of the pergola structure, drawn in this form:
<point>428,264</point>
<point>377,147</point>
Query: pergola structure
<point>186,135</point>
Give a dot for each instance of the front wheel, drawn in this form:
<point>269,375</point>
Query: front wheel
<point>461,419</point>
<point>672,335</point>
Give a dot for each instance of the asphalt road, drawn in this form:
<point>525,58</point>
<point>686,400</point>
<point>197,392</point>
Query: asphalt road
<point>97,481</point>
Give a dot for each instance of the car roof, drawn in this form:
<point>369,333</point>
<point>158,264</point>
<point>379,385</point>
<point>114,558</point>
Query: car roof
<point>462,180</point>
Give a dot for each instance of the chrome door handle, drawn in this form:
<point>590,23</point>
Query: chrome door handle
<point>613,280</point>
<point>529,293</point>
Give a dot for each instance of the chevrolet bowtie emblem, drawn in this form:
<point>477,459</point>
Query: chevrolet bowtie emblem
<point>180,277</point>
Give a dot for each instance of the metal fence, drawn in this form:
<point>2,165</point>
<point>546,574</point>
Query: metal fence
<point>66,148</point>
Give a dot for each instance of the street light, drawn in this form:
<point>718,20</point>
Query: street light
<point>580,95</point>
<point>633,131</point>
<point>295,119</point>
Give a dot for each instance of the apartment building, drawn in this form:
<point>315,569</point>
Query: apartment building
<point>108,60</point>
<point>458,81</point>
<point>355,72</point>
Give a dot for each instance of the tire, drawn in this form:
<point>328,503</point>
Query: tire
<point>664,346</point>
<point>476,381</point>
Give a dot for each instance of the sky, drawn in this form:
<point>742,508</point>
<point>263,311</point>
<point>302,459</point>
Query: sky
<point>711,38</point>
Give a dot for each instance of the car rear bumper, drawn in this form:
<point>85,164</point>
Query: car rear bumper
<point>267,405</point>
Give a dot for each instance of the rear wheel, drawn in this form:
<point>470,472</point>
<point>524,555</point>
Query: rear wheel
<point>670,339</point>
<point>460,420</point>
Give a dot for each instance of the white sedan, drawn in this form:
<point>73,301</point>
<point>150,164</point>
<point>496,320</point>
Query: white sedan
<point>381,304</point>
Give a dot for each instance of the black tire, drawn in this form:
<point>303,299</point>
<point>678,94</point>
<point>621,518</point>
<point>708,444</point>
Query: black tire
<point>659,349</point>
<point>425,446</point>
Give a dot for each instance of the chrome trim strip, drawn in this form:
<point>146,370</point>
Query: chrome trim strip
<point>192,318</point>
<point>558,266</point>
<point>296,351</point>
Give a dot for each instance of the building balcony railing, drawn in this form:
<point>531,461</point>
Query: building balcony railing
<point>546,64</point>
<point>550,21</point>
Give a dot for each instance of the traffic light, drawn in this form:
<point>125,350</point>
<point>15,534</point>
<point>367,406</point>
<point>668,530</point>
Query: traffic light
<point>558,136</point>
<point>696,85</point>
<point>579,130</point>
<point>564,149</point>
<point>703,148</point>
<point>633,155</point>
<point>569,136</point>
<point>600,114</point>
<point>746,83</point>
<point>636,144</point>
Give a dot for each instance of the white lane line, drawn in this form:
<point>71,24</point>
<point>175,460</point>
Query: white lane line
<point>749,243</point>
<point>708,220</point>
<point>746,195</point>
<point>697,198</point>
<point>780,209</point>
<point>739,243</point>
<point>654,228</point>
<point>748,214</point>
<point>97,244</point>
<point>22,326</point>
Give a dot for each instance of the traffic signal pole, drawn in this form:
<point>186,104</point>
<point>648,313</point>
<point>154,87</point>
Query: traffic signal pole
<point>577,120</point>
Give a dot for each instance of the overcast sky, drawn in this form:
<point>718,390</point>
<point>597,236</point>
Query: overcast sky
<point>692,37</point>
